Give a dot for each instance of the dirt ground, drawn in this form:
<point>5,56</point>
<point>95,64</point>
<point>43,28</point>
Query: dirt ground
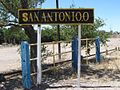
<point>9,58</point>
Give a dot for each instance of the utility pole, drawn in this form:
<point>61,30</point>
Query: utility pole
<point>58,28</point>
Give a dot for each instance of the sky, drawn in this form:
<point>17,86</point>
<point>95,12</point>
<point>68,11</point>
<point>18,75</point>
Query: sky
<point>108,10</point>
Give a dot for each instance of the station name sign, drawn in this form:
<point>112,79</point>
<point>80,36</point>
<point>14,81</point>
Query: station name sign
<point>56,16</point>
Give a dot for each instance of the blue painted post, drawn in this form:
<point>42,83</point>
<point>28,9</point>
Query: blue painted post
<point>97,43</point>
<point>74,53</point>
<point>25,61</point>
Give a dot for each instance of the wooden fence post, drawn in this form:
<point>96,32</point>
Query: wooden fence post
<point>97,43</point>
<point>25,61</point>
<point>74,53</point>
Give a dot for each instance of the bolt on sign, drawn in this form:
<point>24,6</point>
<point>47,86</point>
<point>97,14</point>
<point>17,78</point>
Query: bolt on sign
<point>55,16</point>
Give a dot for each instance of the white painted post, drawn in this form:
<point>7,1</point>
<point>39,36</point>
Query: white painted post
<point>79,56</point>
<point>39,69</point>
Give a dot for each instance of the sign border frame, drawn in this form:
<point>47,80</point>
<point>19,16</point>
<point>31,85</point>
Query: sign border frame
<point>32,9</point>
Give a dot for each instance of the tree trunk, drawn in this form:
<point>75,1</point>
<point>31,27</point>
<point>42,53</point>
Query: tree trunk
<point>30,32</point>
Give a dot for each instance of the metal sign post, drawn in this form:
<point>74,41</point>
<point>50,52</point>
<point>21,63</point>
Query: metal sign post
<point>79,56</point>
<point>39,69</point>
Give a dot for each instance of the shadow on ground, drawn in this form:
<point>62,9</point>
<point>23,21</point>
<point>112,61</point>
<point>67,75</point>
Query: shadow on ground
<point>13,82</point>
<point>65,72</point>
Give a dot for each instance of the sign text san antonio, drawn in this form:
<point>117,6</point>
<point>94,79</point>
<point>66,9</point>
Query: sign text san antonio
<point>59,16</point>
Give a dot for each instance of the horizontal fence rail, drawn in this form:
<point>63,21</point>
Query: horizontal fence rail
<point>56,54</point>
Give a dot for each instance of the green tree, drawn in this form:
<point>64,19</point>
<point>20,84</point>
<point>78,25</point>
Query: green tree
<point>14,35</point>
<point>49,34</point>
<point>1,36</point>
<point>70,31</point>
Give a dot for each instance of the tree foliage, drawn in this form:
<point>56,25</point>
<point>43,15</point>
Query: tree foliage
<point>12,35</point>
<point>1,36</point>
<point>67,32</point>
